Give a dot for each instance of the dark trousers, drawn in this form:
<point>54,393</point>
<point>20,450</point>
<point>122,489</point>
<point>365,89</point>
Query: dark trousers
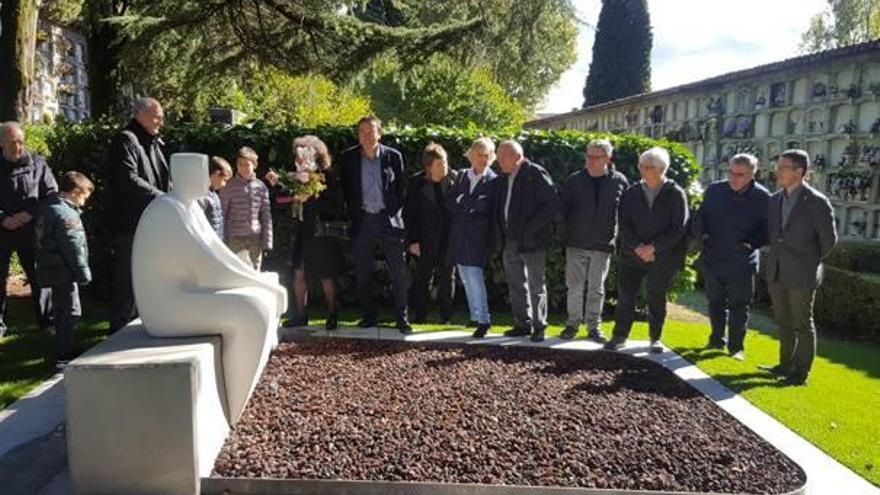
<point>430,265</point>
<point>729,299</point>
<point>22,245</point>
<point>65,301</point>
<point>122,306</point>
<point>793,310</point>
<point>376,230</point>
<point>629,282</point>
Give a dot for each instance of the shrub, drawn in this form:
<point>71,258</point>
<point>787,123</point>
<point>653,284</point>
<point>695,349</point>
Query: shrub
<point>82,147</point>
<point>857,256</point>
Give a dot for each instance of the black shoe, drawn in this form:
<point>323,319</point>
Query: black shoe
<point>656,347</point>
<point>568,333</point>
<point>596,336</point>
<point>404,327</point>
<point>332,322</point>
<point>537,335</point>
<point>794,381</point>
<point>716,344</point>
<point>614,344</point>
<point>481,331</point>
<point>776,370</point>
<point>517,332</point>
<point>297,322</point>
<point>367,322</point>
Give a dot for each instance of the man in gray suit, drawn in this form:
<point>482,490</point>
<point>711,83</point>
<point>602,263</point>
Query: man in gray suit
<point>802,232</point>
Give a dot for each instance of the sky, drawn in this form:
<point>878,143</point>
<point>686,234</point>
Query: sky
<point>697,39</point>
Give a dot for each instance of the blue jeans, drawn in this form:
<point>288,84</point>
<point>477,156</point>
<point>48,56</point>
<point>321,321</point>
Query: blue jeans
<point>475,288</point>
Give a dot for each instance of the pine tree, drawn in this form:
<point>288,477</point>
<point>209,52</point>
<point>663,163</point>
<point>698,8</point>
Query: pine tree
<point>621,63</point>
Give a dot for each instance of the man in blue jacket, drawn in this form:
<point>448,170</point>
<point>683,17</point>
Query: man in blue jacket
<point>732,224</point>
<point>25,182</point>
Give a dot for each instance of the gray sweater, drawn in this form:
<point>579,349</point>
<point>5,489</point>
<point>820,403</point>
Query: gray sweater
<point>246,212</point>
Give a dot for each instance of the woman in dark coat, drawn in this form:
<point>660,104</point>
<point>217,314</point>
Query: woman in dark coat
<point>470,201</point>
<point>316,252</point>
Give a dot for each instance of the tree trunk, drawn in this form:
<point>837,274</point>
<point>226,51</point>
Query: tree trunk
<point>17,43</point>
<point>105,47</point>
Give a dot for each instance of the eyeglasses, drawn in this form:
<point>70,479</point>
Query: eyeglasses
<point>785,167</point>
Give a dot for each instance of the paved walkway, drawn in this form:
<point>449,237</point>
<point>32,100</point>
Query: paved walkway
<point>33,449</point>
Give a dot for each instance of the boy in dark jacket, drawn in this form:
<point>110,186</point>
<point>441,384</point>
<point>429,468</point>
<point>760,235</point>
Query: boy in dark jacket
<point>219,172</point>
<point>62,256</point>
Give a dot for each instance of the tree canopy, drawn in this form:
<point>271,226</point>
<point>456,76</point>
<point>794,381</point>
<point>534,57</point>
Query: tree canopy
<point>842,23</point>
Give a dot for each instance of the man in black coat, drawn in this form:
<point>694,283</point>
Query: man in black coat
<point>427,233</point>
<point>136,173</point>
<point>374,185</point>
<point>528,205</point>
<point>26,181</point>
<point>652,217</point>
<point>732,224</point>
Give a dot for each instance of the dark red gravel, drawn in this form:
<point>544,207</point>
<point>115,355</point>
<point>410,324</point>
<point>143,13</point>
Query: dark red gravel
<point>367,410</point>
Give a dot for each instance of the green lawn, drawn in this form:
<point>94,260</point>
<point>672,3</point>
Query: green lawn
<point>839,411</point>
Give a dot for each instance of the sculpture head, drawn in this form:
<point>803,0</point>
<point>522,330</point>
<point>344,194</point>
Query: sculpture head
<point>189,176</point>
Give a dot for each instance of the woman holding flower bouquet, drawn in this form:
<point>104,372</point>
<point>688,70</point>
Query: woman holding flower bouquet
<point>317,205</point>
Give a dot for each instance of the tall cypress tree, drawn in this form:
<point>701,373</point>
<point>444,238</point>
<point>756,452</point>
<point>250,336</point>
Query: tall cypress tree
<point>621,63</point>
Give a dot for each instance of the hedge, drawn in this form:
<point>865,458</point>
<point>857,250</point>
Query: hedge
<point>82,147</point>
<point>857,256</point>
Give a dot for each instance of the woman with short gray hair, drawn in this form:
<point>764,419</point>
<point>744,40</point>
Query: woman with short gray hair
<point>652,216</point>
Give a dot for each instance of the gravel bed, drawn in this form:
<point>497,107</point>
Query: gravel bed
<point>393,411</point>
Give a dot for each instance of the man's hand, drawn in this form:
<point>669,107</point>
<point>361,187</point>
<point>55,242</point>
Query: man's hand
<point>414,249</point>
<point>271,177</point>
<point>11,223</point>
<point>301,198</point>
<point>23,217</point>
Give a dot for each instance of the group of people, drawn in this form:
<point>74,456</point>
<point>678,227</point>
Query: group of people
<point>451,221</point>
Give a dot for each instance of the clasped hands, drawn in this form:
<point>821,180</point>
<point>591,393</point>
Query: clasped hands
<point>645,252</point>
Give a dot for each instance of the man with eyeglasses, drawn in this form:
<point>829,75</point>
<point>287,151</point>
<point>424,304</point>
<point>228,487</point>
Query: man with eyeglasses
<point>732,224</point>
<point>589,207</point>
<point>802,232</point>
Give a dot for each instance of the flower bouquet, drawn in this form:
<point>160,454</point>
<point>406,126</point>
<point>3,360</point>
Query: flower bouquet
<point>305,181</point>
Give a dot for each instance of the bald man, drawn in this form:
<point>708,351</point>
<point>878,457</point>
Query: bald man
<point>25,182</point>
<point>136,173</point>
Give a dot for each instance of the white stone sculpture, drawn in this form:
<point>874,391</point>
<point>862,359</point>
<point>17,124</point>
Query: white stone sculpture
<point>188,283</point>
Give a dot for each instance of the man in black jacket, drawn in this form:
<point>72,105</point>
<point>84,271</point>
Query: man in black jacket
<point>527,209</point>
<point>374,185</point>
<point>652,216</point>
<point>589,207</point>
<point>136,173</point>
<point>26,182</point>
<point>427,233</point>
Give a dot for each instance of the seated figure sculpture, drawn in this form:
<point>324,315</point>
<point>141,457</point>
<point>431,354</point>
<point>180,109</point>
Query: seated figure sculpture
<point>188,283</point>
